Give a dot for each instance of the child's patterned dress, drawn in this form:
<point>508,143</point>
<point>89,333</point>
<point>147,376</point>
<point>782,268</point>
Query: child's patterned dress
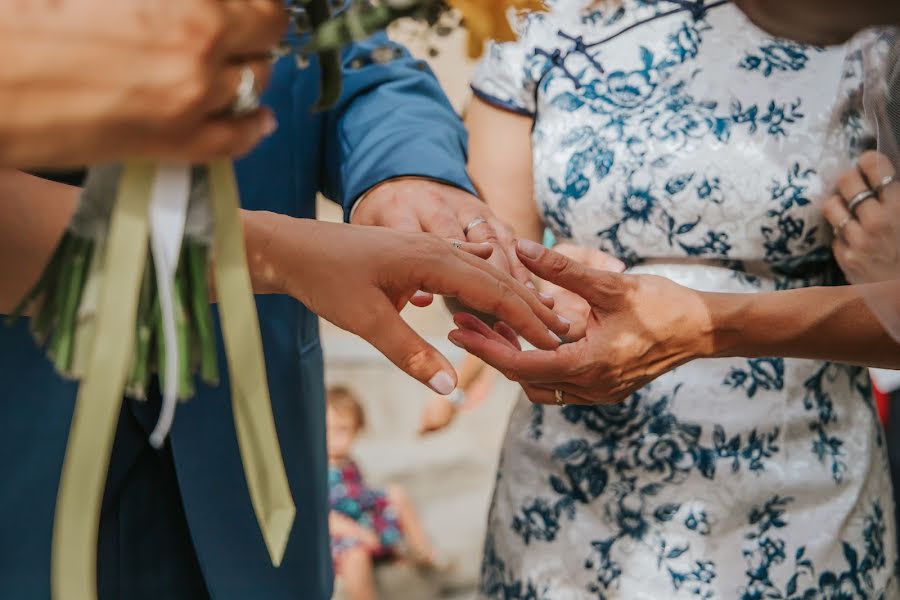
<point>350,496</point>
<point>677,136</point>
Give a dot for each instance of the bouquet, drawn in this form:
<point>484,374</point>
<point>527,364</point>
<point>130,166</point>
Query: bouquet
<point>125,297</point>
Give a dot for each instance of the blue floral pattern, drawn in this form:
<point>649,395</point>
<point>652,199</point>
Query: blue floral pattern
<point>677,137</point>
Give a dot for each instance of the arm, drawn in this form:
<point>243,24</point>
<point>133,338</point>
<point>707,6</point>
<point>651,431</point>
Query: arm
<point>500,163</point>
<point>341,525</point>
<point>641,327</point>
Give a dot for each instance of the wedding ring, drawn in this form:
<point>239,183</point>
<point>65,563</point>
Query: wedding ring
<point>840,227</point>
<point>558,394</point>
<point>886,181</point>
<point>475,223</point>
<point>456,244</point>
<point>859,199</point>
<point>246,100</point>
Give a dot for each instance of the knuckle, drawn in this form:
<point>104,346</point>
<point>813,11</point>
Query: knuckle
<point>869,160</point>
<point>847,179</point>
<point>416,361</point>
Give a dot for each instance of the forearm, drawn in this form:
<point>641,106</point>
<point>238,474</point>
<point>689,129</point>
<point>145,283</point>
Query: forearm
<point>34,215</point>
<point>825,323</point>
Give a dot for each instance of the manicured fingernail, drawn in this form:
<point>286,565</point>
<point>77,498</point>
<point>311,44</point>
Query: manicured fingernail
<point>456,343</point>
<point>269,124</point>
<point>546,296</point>
<point>530,249</point>
<point>442,383</point>
<point>531,286</point>
<point>563,320</point>
<point>555,337</point>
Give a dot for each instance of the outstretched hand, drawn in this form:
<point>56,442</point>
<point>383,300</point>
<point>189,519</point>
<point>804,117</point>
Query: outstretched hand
<point>639,328</point>
<point>359,278</point>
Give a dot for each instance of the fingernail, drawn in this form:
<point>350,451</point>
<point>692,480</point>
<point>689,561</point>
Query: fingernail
<point>442,383</point>
<point>530,249</point>
<point>455,342</point>
<point>563,320</point>
<point>531,286</point>
<point>555,337</point>
<point>269,124</point>
<point>618,266</point>
<point>546,296</point>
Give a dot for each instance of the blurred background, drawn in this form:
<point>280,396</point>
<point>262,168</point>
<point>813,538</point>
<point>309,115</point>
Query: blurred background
<point>449,474</point>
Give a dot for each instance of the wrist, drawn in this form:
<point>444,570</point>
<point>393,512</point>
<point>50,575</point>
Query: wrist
<point>729,314</point>
<point>260,230</point>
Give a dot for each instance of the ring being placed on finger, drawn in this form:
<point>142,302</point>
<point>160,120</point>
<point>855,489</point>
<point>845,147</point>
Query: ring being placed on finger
<point>885,181</point>
<point>558,395</point>
<point>475,223</point>
<point>838,230</point>
<point>859,199</point>
<point>246,100</point>
<point>456,244</point>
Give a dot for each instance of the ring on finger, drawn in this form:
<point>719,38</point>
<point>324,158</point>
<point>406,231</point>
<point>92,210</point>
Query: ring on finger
<point>885,181</point>
<point>475,223</point>
<point>246,99</point>
<point>559,395</point>
<point>839,229</point>
<point>858,199</point>
<point>456,244</point>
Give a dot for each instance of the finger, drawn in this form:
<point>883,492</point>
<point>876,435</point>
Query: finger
<point>473,323</point>
<point>507,332</point>
<point>542,395</point>
<point>422,299</point>
<point>478,285</point>
<point>222,138</point>
<point>394,338</point>
<point>438,218</point>
<point>563,271</point>
<point>481,250</point>
<point>875,167</point>
<point>252,27</point>
<point>836,213</point>
<point>228,80</point>
<point>534,366</point>
<point>851,183</point>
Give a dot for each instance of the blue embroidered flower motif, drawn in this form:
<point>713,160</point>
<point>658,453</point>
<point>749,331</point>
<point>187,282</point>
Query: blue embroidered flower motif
<point>498,583</point>
<point>761,373</point>
<point>778,56</point>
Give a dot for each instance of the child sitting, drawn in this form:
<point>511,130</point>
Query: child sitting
<point>367,525</point>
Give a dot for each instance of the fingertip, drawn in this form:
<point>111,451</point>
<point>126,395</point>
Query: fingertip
<point>443,383</point>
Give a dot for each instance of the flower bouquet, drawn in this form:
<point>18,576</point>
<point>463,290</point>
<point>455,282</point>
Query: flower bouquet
<point>125,297</point>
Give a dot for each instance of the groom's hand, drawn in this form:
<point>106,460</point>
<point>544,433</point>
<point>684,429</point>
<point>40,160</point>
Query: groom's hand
<point>416,205</point>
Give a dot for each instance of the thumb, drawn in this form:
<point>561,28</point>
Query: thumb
<point>560,270</point>
<point>394,338</point>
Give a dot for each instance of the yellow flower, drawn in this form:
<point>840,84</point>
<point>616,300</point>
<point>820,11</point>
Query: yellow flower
<point>489,20</point>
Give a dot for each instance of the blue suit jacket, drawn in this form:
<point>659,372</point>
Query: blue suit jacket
<point>392,120</point>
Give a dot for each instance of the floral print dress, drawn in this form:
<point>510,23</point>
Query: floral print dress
<point>677,136</point>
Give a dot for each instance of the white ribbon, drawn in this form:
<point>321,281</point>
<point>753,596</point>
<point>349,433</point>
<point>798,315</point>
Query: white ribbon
<point>168,212</point>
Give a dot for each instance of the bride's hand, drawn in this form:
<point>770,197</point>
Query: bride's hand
<point>359,278</point>
<point>568,304</point>
<point>639,328</point>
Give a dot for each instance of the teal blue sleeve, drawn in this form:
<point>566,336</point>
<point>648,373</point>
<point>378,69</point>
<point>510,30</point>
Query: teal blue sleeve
<point>392,120</point>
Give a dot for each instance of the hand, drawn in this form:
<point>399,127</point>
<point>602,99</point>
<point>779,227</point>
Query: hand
<point>867,242</point>
<point>639,328</point>
<point>94,81</point>
<point>572,306</point>
<point>360,277</point>
<point>415,204</point>
<point>819,21</point>
<point>438,414</point>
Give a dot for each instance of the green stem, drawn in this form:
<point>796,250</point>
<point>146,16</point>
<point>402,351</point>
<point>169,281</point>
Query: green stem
<point>185,379</point>
<point>73,285</point>
<point>140,368</point>
<point>198,262</point>
<point>45,316</point>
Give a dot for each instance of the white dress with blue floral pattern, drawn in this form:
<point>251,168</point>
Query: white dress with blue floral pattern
<point>677,136</point>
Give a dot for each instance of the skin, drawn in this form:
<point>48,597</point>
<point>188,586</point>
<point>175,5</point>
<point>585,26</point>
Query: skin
<point>640,327</point>
<point>380,271</point>
<point>820,22</point>
<point>131,79</point>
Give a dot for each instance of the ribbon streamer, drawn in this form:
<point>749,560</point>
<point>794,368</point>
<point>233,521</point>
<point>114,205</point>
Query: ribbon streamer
<point>167,214</point>
<point>99,401</point>
<point>251,405</point>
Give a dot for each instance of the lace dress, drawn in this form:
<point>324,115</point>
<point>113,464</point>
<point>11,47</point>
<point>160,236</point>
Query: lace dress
<point>679,137</point>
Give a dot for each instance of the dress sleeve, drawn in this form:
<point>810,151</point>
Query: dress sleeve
<point>508,75</point>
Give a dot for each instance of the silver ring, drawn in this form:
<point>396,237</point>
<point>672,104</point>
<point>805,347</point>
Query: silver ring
<point>475,223</point>
<point>456,244</point>
<point>246,100</point>
<point>859,199</point>
<point>840,227</point>
<point>886,181</point>
<point>558,394</point>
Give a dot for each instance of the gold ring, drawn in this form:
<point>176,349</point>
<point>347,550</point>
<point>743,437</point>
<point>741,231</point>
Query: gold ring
<point>558,394</point>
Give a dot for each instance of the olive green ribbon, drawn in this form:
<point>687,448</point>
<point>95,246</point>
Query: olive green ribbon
<point>99,400</point>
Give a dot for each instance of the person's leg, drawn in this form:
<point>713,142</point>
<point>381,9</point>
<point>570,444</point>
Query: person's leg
<point>411,525</point>
<point>357,573</point>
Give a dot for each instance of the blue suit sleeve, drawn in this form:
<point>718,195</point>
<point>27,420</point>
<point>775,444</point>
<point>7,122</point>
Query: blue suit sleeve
<point>392,120</point>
